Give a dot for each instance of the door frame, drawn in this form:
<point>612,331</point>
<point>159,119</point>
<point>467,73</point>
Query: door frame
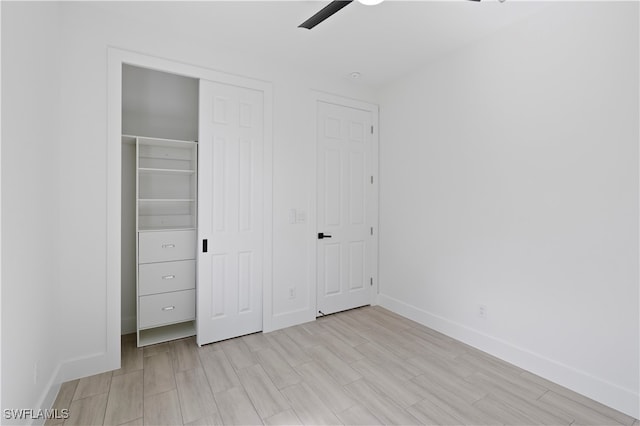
<point>115,59</point>
<point>372,205</point>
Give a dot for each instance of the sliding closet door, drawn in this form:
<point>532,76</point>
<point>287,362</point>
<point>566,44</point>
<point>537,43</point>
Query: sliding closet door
<point>230,201</point>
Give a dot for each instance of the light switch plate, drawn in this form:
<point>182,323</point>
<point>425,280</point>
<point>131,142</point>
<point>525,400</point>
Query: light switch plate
<point>301,216</point>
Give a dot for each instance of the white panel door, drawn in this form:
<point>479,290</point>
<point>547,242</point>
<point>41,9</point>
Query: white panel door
<point>345,261</point>
<point>229,286</point>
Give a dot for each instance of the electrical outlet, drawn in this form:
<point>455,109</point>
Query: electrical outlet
<point>292,293</point>
<point>482,311</point>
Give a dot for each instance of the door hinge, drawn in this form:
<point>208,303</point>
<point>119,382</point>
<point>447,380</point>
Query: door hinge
<point>371,129</point>
<point>371,180</point>
<point>371,281</point>
<point>372,230</point>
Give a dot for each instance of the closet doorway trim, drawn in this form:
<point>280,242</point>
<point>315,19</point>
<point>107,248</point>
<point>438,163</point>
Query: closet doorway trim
<point>115,59</point>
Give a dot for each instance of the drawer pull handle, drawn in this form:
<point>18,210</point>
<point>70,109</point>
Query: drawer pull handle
<point>168,246</point>
<point>168,308</point>
<point>168,277</point>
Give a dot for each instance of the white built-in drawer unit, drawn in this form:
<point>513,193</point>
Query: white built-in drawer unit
<point>166,192</point>
<point>164,277</point>
<point>165,246</point>
<point>167,308</point>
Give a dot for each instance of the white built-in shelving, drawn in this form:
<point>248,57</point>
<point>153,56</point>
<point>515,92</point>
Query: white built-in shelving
<point>166,205</point>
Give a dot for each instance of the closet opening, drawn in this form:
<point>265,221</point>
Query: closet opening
<point>167,126</point>
<point>158,205</point>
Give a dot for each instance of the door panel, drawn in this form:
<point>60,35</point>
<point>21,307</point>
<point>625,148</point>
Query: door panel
<point>332,267</point>
<point>218,268</point>
<point>356,265</point>
<point>333,171</point>
<point>229,213</point>
<point>344,146</point>
<point>357,179</point>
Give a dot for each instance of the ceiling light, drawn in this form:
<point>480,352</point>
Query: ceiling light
<point>355,75</point>
<point>370,2</point>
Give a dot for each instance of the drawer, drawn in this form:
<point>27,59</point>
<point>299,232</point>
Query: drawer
<point>166,308</point>
<point>164,246</point>
<point>166,276</point>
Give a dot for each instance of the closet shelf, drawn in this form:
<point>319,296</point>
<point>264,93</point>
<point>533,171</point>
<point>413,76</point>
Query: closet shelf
<point>165,228</point>
<point>166,200</point>
<point>148,170</point>
<point>168,332</point>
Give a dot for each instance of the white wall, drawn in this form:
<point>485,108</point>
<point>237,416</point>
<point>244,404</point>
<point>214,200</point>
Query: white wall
<point>158,104</point>
<point>509,178</point>
<point>30,142</point>
<point>87,31</point>
<point>523,149</point>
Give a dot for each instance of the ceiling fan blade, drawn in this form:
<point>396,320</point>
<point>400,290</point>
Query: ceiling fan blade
<point>324,13</point>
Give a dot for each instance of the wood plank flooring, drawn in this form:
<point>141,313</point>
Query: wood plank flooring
<point>362,367</point>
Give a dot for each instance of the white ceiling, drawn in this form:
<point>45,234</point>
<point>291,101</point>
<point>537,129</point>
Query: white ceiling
<point>382,42</point>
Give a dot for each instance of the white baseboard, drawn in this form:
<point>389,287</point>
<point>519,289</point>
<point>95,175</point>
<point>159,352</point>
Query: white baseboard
<point>610,394</point>
<point>70,370</point>
<point>289,319</point>
<point>85,366</point>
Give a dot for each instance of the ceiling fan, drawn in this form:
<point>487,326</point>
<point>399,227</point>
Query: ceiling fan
<point>332,8</point>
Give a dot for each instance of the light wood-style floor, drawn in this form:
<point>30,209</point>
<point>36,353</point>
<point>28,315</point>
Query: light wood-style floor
<point>365,366</point>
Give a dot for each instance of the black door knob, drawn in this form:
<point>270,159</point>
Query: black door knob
<point>322,235</point>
